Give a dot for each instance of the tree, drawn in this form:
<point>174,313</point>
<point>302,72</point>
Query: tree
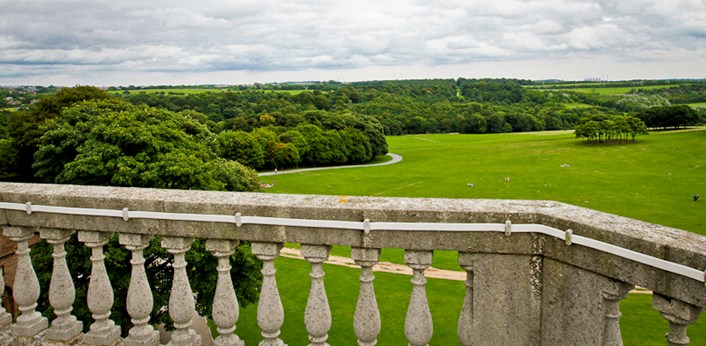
<point>26,127</point>
<point>496,122</point>
<point>670,116</point>
<point>112,142</point>
<point>242,147</point>
<point>602,127</point>
<point>635,127</point>
<point>297,139</point>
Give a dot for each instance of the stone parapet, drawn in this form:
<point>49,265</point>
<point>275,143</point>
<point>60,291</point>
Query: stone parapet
<point>524,267</point>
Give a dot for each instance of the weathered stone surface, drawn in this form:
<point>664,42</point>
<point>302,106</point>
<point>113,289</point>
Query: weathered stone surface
<point>573,308</point>
<point>523,282</point>
<point>366,319</point>
<point>506,296</point>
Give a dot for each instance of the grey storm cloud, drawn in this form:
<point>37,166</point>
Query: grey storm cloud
<point>203,36</point>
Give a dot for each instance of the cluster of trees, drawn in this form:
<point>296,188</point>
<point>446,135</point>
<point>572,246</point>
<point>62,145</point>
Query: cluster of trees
<point>669,116</point>
<point>680,93</point>
<point>83,135</point>
<point>310,138</point>
<point>605,128</point>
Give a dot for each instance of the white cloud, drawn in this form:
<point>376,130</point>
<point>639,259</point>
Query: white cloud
<point>189,38</point>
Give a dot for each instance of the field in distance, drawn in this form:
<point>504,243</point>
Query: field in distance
<point>653,179</point>
<point>603,88</point>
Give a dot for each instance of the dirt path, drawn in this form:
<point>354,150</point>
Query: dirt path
<point>385,267</point>
<point>394,268</point>
<point>395,159</point>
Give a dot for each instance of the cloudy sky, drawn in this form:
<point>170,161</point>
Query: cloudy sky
<point>150,42</point>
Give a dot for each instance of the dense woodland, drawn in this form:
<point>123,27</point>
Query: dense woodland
<point>69,135</point>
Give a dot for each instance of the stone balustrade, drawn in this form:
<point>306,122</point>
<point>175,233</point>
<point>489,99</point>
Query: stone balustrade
<point>538,272</point>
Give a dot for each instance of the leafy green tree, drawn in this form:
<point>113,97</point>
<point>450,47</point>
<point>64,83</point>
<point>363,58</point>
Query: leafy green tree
<point>602,127</point>
<point>359,148</point>
<point>635,127</point>
<point>670,116</point>
<point>26,127</point>
<point>496,123</point>
<point>242,147</point>
<point>116,143</point>
<point>112,142</point>
<point>284,154</point>
<point>297,139</point>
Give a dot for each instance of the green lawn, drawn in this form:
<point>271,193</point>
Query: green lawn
<point>392,291</point>
<point>653,180</point>
<point>641,325</point>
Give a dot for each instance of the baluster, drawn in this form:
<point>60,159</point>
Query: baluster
<point>225,303</point>
<point>26,286</point>
<point>679,314</point>
<point>100,293</point>
<point>366,320</point>
<point>418,325</point>
<point>139,295</point>
<point>5,317</point>
<point>182,306</point>
<point>612,297</point>
<point>62,292</point>
<point>465,320</point>
<point>270,314</point>
<point>317,316</point>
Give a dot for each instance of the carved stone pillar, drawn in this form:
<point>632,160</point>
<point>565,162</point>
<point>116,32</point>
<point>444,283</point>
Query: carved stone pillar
<point>611,299</point>
<point>418,324</point>
<point>465,320</point>
<point>317,316</point>
<point>225,303</point>
<point>182,306</point>
<point>62,292</point>
<point>366,320</point>
<point>139,295</point>
<point>5,317</point>
<point>26,287</point>
<point>679,315</point>
<point>100,292</point>
<point>270,313</point>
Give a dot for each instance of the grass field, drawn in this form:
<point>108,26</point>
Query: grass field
<point>653,180</point>
<point>602,88</point>
<point>640,324</point>
<point>608,90</point>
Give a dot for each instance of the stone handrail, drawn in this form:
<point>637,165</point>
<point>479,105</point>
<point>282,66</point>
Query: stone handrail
<point>540,249</point>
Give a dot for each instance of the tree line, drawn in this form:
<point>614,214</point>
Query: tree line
<point>416,106</point>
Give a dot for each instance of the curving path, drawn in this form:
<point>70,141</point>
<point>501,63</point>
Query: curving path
<point>395,159</point>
